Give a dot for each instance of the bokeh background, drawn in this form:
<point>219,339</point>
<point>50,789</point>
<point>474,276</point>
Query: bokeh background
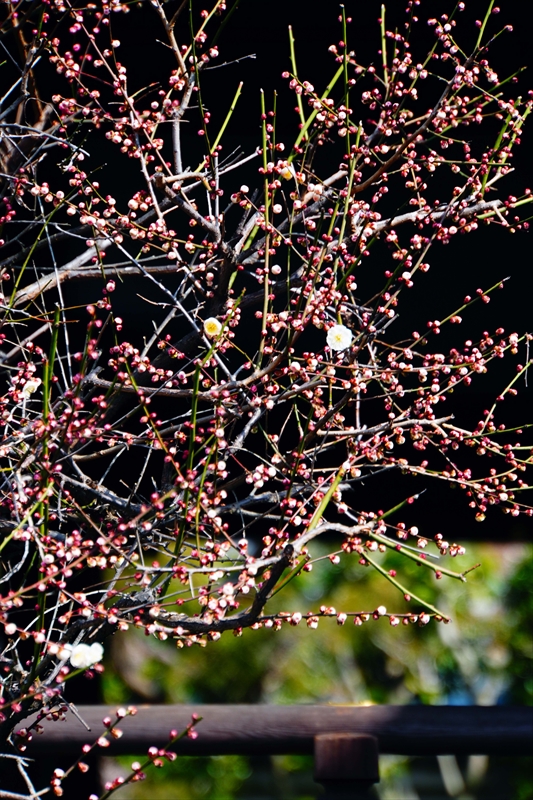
<point>483,657</point>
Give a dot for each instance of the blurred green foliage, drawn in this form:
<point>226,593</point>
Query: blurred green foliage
<point>484,656</point>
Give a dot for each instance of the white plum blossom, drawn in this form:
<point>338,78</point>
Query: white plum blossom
<point>30,387</point>
<point>287,172</point>
<point>339,337</point>
<point>212,327</point>
<point>83,656</point>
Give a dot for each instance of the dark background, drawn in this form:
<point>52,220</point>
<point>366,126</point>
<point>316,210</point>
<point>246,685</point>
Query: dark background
<point>260,29</point>
<point>477,260</point>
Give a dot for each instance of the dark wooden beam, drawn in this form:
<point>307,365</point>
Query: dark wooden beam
<point>346,764</point>
<point>266,729</point>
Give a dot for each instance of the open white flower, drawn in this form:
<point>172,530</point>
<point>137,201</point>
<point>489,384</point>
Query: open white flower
<point>339,337</point>
<point>84,656</point>
<point>30,387</point>
<point>212,327</point>
<point>288,172</point>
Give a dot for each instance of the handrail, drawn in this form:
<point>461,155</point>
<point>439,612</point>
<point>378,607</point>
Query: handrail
<point>270,730</point>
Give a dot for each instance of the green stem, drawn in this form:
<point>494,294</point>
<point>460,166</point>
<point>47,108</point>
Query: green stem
<point>384,48</point>
<point>317,516</point>
<point>484,24</point>
<point>312,116</point>
<point>419,560</point>
<point>224,124</point>
<point>295,73</point>
<point>403,589</point>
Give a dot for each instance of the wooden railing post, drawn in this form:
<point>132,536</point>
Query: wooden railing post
<point>346,764</point>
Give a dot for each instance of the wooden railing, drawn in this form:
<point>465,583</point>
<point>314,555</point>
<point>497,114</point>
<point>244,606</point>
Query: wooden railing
<point>345,740</point>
